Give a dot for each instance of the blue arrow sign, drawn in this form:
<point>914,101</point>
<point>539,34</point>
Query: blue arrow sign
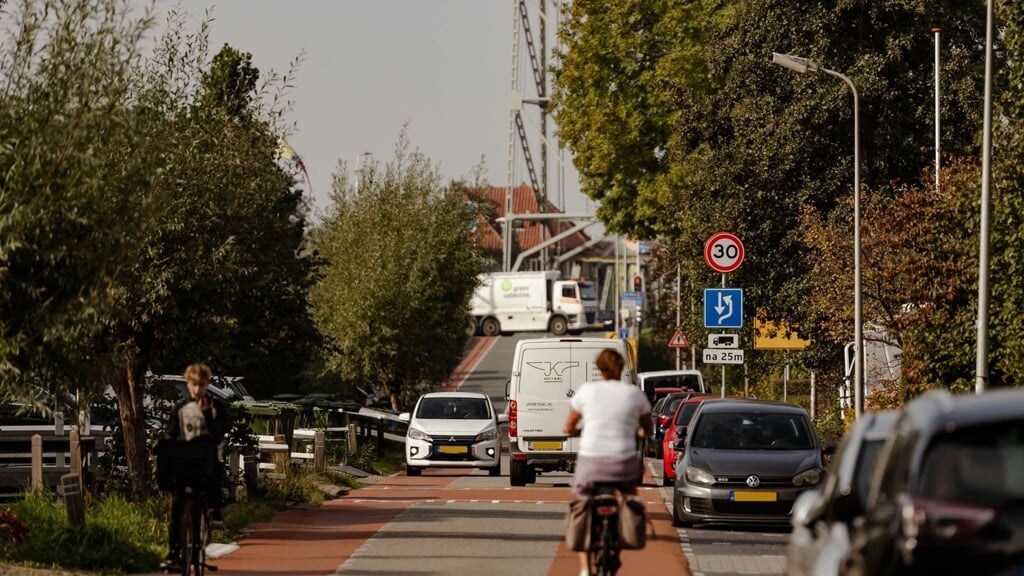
<point>723,308</point>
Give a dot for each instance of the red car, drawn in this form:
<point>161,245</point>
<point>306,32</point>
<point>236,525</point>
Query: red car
<point>680,420</point>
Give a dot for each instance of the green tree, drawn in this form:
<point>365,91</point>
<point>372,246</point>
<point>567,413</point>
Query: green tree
<point>399,270</point>
<point>73,156</point>
<point>752,146</point>
<point>220,269</point>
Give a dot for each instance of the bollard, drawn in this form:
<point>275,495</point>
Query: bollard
<point>71,490</point>
<point>75,453</point>
<point>251,467</point>
<point>319,451</point>
<point>234,463</point>
<point>351,435</point>
<point>380,434</point>
<point>37,462</point>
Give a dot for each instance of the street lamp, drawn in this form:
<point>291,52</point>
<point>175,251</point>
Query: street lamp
<point>804,65</point>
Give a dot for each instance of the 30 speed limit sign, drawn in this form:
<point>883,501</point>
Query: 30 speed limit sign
<point>723,252</point>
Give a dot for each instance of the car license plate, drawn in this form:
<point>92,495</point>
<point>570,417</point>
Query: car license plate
<point>742,496</point>
<point>452,449</point>
<point>545,445</point>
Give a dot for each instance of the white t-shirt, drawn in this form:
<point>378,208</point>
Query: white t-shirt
<point>611,412</point>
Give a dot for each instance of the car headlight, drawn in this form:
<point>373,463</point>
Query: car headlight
<point>417,434</point>
<point>489,434</point>
<point>699,476</point>
<point>807,477</point>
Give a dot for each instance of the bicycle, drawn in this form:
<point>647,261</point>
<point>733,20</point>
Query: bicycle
<point>604,531</point>
<point>195,533</point>
<point>186,468</point>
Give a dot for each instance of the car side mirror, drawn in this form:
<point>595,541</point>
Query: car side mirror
<point>405,417</point>
<point>502,418</point>
<point>806,508</point>
<point>829,448</point>
<point>679,445</point>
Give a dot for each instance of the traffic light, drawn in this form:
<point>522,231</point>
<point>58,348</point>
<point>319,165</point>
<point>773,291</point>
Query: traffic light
<point>638,283</point>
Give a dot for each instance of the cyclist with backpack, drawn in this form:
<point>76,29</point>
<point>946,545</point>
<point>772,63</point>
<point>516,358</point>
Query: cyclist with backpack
<point>613,414</point>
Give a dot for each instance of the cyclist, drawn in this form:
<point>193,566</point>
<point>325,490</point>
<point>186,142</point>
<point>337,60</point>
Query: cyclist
<point>199,418</point>
<point>614,413</point>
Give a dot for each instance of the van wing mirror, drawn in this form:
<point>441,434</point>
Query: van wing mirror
<point>503,418</point>
<point>404,417</point>
<point>830,448</point>
<point>508,388</point>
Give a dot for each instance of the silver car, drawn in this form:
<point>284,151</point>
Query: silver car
<point>745,461</point>
<point>823,517</point>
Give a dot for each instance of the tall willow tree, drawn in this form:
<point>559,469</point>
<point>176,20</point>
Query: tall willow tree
<point>399,269</point>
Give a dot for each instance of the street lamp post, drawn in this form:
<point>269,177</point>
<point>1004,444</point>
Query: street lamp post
<point>804,65</point>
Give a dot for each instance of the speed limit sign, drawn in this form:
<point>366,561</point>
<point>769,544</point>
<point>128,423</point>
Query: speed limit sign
<point>723,252</point>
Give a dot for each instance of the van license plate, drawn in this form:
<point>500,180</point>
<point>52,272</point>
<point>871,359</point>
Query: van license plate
<point>741,496</point>
<point>452,449</point>
<point>545,445</point>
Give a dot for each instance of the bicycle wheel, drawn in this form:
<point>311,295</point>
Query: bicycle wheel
<point>187,536</point>
<point>203,533</point>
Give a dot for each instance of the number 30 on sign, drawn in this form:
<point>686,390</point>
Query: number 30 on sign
<point>723,252</point>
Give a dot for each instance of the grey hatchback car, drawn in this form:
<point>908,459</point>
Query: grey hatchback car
<point>745,461</point>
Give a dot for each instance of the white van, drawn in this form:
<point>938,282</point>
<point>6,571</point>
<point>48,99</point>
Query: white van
<point>546,372</point>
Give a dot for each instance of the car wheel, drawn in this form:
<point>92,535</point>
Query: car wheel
<point>517,472</point>
<point>496,471</point>
<point>412,471</point>
<point>558,326</point>
<point>658,453</point>
<point>490,327</point>
<point>666,481</point>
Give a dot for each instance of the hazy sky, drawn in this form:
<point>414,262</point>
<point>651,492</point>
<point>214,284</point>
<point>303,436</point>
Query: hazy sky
<point>370,66</point>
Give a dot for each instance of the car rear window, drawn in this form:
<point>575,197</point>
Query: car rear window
<point>690,381</point>
<point>754,431</point>
<point>670,405</point>
<point>453,409</point>
<point>685,413</point>
<point>978,465</point>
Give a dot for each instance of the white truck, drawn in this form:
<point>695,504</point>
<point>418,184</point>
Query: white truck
<point>530,302</point>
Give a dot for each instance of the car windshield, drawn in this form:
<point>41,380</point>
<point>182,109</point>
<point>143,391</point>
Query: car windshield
<point>673,381</point>
<point>685,414</point>
<point>752,431</point>
<point>453,409</point>
<point>978,465</point>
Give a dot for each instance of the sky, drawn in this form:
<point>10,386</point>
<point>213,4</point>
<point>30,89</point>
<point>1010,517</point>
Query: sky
<point>369,67</point>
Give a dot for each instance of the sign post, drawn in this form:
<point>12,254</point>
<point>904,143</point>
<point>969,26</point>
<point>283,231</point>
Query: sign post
<point>724,309</point>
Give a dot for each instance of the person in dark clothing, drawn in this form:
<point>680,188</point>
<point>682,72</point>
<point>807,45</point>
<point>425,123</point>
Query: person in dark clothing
<point>200,418</point>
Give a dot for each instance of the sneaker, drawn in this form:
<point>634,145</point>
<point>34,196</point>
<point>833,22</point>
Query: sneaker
<point>171,563</point>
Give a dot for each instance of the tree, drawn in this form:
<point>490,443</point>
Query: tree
<point>227,241</point>
<point>399,268</point>
<point>750,148</point>
<point>74,154</point>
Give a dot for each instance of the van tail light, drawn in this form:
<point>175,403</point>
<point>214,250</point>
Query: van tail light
<point>938,522</point>
<point>513,419</point>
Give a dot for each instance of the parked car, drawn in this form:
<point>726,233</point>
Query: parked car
<point>677,429</point>
<point>453,429</point>
<point>745,461</point>
<point>947,496</point>
<point>823,517</point>
<point>691,380</point>
<point>661,414</point>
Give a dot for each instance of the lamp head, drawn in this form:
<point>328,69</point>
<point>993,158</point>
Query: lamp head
<point>795,63</point>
